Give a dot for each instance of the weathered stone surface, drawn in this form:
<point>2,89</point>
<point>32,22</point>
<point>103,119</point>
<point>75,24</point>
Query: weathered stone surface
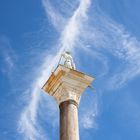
<point>66,86</point>
<point>69,121</point>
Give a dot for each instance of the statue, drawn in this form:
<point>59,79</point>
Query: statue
<point>68,62</point>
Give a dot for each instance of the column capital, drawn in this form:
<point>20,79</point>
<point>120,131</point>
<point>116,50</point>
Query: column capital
<point>67,92</point>
<point>67,84</point>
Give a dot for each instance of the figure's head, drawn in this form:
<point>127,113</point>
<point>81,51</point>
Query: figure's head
<point>67,52</point>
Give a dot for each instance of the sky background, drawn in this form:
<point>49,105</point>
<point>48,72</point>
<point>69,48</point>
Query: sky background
<point>103,36</point>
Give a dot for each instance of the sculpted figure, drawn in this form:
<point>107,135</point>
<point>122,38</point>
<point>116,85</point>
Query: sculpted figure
<point>68,62</point>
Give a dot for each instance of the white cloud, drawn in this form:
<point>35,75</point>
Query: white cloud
<point>8,55</point>
<point>88,118</point>
<point>28,122</point>
<point>56,18</point>
<point>88,111</point>
<point>101,34</point>
<point>110,39</point>
<point>127,50</point>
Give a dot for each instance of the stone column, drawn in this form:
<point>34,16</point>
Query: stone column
<point>69,129</point>
<point>66,86</point>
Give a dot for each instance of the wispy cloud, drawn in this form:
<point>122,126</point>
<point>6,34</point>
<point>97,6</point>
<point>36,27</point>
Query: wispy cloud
<point>28,121</point>
<point>88,115</point>
<point>129,53</point>
<point>8,56</point>
<point>88,120</point>
<point>55,17</point>
<point>94,34</point>
<point>111,40</point>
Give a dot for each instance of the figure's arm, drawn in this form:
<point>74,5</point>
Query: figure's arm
<point>73,64</point>
<point>59,59</point>
<point>62,55</point>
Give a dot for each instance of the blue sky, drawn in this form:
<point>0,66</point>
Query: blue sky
<point>103,36</point>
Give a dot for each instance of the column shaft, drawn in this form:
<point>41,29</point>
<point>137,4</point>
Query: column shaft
<point>69,129</point>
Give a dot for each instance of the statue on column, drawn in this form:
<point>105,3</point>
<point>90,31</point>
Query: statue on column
<point>68,60</point>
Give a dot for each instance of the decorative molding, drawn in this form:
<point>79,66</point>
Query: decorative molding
<point>67,84</point>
